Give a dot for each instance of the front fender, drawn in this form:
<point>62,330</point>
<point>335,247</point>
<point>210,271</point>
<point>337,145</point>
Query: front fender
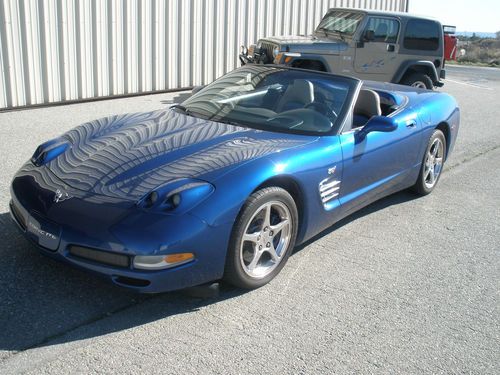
<point>305,166</point>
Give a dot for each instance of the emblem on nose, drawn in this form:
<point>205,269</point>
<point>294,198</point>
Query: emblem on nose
<point>60,196</point>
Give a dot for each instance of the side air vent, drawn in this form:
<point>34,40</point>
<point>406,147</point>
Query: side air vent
<point>329,189</point>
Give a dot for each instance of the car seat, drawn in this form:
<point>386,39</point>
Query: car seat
<point>367,105</point>
<point>297,95</point>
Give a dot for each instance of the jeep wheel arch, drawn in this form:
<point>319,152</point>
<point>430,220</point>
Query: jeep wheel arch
<point>311,64</point>
<point>411,67</point>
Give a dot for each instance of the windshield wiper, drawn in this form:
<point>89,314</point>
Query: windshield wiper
<point>229,122</point>
<point>341,33</point>
<point>325,30</point>
<point>181,108</point>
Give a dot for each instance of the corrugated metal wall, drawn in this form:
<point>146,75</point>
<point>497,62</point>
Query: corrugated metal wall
<point>59,50</point>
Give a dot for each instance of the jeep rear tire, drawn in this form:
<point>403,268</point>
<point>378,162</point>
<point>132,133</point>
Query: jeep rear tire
<point>420,80</point>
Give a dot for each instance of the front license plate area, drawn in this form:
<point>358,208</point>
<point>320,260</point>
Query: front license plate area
<point>46,233</point>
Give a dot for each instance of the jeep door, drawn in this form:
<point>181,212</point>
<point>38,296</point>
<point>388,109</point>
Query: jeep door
<point>376,56</point>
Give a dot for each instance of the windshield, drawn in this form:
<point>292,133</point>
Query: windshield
<point>344,22</point>
<point>274,99</point>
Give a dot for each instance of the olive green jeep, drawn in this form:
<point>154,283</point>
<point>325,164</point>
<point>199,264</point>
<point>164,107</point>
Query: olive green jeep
<point>371,45</point>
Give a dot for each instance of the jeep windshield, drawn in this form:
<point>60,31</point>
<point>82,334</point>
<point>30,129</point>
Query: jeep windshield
<point>275,99</point>
<point>341,22</point>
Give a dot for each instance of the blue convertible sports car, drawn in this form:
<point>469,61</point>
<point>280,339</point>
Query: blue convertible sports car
<point>225,184</point>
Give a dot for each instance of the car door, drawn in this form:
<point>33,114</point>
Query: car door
<point>377,163</point>
<point>376,58</point>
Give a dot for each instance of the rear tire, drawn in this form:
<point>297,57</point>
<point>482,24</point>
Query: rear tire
<point>432,164</point>
<point>262,239</point>
<point>420,80</point>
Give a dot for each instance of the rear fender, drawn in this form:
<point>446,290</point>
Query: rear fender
<point>418,65</point>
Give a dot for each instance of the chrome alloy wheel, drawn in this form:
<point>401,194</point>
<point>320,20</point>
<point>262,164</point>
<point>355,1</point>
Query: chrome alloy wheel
<point>419,84</point>
<point>265,239</point>
<point>433,163</point>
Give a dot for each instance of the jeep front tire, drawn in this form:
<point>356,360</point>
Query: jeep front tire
<point>310,65</point>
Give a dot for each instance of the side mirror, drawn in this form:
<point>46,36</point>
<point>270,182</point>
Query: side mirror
<point>196,89</point>
<point>369,35</point>
<point>377,124</point>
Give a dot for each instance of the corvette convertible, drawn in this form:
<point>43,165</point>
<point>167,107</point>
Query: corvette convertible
<point>225,184</point>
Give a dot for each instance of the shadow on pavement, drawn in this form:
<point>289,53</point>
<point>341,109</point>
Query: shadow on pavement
<point>397,198</point>
<point>41,299</point>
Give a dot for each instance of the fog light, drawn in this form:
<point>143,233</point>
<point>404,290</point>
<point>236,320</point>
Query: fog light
<point>159,262</point>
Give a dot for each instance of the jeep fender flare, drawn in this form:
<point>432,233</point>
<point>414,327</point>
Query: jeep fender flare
<point>312,58</point>
<point>419,66</point>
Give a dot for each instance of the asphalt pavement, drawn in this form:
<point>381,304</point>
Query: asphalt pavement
<point>407,285</point>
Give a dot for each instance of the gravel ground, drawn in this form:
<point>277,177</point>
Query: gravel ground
<point>406,285</point>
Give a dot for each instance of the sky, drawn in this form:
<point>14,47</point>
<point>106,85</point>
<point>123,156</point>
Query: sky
<point>466,15</point>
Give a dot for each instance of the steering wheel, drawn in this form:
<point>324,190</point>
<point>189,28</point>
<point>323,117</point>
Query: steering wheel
<point>323,109</point>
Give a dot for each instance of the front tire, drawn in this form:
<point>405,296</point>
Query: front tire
<point>262,239</point>
<point>432,164</point>
<point>310,65</point>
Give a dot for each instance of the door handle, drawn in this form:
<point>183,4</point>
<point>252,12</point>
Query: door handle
<point>391,48</point>
<point>411,124</point>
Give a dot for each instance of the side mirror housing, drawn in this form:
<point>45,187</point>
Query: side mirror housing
<point>378,124</point>
<point>368,36</point>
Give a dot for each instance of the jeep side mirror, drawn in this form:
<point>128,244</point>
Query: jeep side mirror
<point>368,36</point>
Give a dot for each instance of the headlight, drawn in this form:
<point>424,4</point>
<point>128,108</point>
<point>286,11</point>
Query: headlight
<point>251,49</point>
<point>159,262</point>
<point>177,197</point>
<point>49,150</point>
<point>276,50</point>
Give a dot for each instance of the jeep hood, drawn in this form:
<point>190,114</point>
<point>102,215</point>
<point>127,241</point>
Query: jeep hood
<point>308,44</point>
<point>127,156</point>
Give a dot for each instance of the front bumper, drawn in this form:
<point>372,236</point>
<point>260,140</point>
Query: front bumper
<point>254,59</point>
<point>245,59</point>
<point>442,75</point>
<point>120,232</point>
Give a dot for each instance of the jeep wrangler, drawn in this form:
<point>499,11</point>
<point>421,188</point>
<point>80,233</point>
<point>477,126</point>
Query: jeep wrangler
<point>371,45</point>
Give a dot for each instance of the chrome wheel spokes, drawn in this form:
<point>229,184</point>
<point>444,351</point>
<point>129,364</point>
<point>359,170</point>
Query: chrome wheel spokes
<point>266,239</point>
<point>419,84</point>
<point>433,163</point>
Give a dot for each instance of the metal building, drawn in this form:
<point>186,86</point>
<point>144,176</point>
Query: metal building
<point>65,50</point>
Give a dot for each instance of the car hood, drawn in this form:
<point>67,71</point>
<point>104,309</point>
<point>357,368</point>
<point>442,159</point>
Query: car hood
<point>308,43</point>
<point>127,156</point>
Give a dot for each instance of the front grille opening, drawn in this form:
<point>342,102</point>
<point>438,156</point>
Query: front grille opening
<point>17,215</point>
<point>268,48</point>
<point>99,256</point>
<point>130,281</point>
